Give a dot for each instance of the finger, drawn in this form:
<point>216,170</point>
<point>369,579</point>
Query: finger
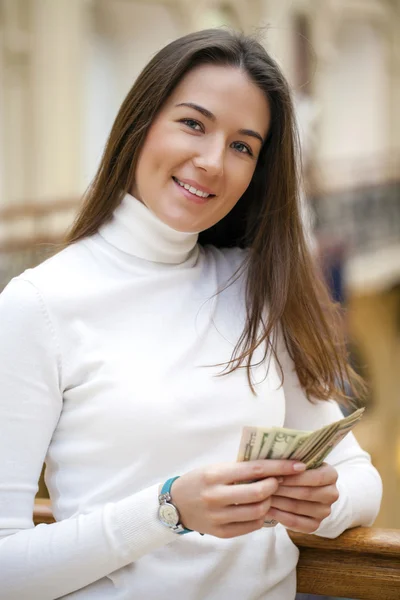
<point>236,529</point>
<point>248,493</point>
<point>316,510</point>
<point>242,513</point>
<point>294,522</point>
<point>250,471</point>
<point>327,494</point>
<point>325,475</point>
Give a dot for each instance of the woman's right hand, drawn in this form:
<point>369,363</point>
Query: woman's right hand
<point>208,500</point>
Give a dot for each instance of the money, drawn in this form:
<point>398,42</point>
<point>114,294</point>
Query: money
<point>250,443</point>
<point>310,447</point>
<point>282,441</point>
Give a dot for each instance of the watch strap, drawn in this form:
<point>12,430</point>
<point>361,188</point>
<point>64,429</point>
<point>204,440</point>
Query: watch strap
<point>166,489</point>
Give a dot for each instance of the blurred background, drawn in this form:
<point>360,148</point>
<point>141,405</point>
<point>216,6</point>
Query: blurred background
<point>65,67</point>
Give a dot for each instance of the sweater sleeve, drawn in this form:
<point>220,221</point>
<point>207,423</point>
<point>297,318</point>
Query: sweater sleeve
<point>359,483</point>
<point>49,561</point>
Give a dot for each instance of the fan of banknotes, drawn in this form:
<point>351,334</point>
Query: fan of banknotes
<point>310,447</point>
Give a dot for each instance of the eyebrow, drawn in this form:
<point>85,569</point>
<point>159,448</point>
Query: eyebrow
<point>212,117</point>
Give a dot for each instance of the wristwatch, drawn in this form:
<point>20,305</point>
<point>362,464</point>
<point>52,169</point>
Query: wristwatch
<point>167,512</point>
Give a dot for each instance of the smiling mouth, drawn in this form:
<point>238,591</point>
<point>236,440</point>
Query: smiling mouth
<point>192,189</point>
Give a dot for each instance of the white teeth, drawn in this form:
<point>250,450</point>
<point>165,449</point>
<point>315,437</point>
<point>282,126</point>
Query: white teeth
<point>192,190</point>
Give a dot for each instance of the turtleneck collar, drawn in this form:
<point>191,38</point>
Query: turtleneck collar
<point>136,230</point>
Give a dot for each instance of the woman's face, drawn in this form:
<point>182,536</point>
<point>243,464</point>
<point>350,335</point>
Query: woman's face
<point>207,137</point>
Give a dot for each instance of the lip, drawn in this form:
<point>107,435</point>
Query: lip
<point>190,196</point>
<point>196,185</point>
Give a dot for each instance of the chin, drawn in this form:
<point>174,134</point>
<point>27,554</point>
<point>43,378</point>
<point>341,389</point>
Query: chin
<point>183,227</point>
<point>178,222</point>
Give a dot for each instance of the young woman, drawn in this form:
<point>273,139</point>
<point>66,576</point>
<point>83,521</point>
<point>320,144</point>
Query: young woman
<point>183,307</point>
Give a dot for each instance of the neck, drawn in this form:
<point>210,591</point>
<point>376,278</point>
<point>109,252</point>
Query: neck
<point>136,230</point>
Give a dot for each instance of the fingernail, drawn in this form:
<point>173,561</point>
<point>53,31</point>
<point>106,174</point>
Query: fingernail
<point>279,479</point>
<point>299,466</point>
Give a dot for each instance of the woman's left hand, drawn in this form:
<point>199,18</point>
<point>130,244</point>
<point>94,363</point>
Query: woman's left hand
<point>302,501</point>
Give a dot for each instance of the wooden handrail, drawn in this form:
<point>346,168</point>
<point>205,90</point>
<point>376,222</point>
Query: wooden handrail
<point>37,215</point>
<point>37,209</point>
<point>42,511</point>
<point>362,563</point>
<point>31,243</point>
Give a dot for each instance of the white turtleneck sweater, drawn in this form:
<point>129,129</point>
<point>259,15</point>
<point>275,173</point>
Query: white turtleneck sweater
<point>106,355</point>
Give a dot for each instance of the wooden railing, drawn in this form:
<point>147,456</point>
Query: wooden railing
<point>32,224</point>
<point>31,232</point>
<point>363,563</point>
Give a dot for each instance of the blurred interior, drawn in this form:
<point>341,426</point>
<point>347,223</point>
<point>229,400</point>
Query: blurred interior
<point>65,67</point>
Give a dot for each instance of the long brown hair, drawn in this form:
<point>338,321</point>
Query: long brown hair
<point>280,272</point>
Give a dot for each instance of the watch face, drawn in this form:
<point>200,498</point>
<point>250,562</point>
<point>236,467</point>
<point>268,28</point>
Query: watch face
<point>168,515</point>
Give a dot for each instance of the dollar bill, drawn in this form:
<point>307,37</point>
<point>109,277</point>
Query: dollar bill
<point>310,447</point>
<point>319,456</point>
<point>283,441</point>
<point>252,441</point>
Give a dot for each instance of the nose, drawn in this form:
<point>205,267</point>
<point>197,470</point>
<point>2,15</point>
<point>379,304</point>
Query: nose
<point>211,157</point>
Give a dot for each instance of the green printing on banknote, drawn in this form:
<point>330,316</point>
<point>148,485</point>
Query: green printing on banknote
<point>310,447</point>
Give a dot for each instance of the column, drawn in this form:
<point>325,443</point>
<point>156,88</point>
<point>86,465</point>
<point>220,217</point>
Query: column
<point>58,69</point>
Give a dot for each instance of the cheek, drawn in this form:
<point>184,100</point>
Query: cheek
<point>162,156</point>
<point>150,157</point>
<point>154,151</point>
<point>239,180</point>
<point>236,183</point>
